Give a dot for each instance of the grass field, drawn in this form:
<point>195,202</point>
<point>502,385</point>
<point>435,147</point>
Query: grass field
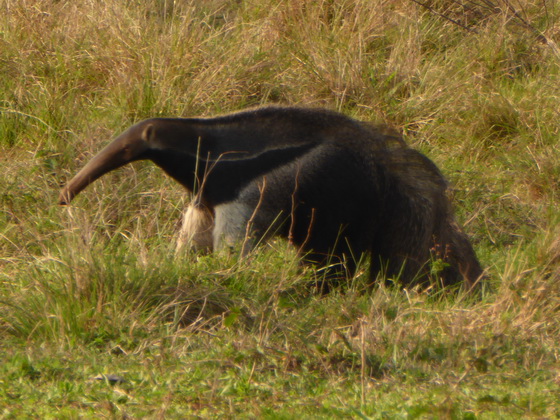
<point>94,290</point>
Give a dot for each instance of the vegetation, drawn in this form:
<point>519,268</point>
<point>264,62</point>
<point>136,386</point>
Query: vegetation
<point>95,289</point>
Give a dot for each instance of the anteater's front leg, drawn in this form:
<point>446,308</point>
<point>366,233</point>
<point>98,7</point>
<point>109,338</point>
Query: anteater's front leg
<point>197,229</point>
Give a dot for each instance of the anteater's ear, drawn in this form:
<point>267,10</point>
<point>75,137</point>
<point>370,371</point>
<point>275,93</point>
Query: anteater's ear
<point>148,133</point>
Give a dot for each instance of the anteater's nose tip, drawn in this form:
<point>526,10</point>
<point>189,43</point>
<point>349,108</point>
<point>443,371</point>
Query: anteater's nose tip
<point>64,198</point>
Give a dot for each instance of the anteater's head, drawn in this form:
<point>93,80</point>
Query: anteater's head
<point>130,146</point>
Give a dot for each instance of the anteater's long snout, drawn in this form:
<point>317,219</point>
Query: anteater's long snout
<point>118,153</point>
